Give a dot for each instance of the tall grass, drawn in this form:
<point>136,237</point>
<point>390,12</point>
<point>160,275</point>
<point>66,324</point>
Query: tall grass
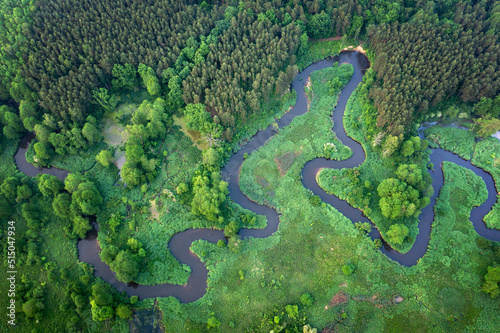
<point>456,140</point>
<point>304,138</point>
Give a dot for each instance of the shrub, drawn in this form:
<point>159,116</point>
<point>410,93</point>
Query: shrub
<point>213,322</point>
<point>315,200</point>
<point>347,269</point>
<point>306,299</point>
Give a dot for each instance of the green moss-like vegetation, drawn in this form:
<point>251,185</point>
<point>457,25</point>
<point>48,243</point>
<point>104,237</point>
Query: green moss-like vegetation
<point>8,166</point>
<point>485,154</point>
<point>234,61</point>
<point>309,252</point>
<point>270,170</point>
<point>456,140</point>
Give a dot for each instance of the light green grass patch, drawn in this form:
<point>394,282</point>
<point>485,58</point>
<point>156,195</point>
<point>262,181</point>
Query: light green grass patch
<point>456,140</point>
<point>487,156</point>
<point>271,169</point>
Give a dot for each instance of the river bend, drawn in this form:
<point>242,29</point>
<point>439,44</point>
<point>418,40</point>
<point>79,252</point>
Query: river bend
<point>180,242</point>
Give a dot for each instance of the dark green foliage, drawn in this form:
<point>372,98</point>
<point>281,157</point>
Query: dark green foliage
<point>412,175</point>
<point>87,198</point>
<point>101,302</point>
<point>306,299</point>
<point>126,266</point>
<point>245,60</point>
<point>28,112</point>
<point>347,269</point>
<point>231,229</point>
<point>32,308</point>
<point>12,125</point>
<point>109,253</point>
<point>149,79</point>
<point>486,126</point>
<point>104,100</point>
<point>319,26</point>
<point>125,77</point>
<point>80,226</point>
<point>41,153</point>
<point>488,106</point>
<point>62,205</point>
<point>23,192</point>
<point>440,58</point>
<point>363,226</point>
<point>9,188</point>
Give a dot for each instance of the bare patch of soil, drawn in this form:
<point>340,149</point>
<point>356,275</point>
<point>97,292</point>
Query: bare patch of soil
<point>339,298</point>
<point>154,209</point>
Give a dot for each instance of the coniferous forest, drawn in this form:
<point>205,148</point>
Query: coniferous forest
<point>127,140</point>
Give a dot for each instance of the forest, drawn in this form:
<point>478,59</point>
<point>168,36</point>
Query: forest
<point>144,105</point>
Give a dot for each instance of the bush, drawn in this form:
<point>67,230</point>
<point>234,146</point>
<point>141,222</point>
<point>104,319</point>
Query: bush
<point>397,233</point>
<point>484,243</point>
<point>306,299</point>
<point>213,322</point>
<point>347,269</point>
<point>315,200</point>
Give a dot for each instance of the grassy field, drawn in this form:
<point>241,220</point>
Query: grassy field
<point>267,174</point>
<point>456,140</point>
<point>249,291</point>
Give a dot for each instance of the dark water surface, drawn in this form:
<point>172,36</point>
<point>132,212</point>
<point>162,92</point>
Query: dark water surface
<point>28,168</point>
<point>180,242</point>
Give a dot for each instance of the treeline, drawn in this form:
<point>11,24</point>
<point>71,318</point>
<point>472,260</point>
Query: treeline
<point>426,60</point>
<point>190,51</point>
<point>77,43</point>
<point>246,66</point>
<point>57,56</point>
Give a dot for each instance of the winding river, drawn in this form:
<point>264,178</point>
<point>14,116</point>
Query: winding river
<point>180,242</point>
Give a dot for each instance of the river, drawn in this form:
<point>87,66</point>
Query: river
<point>180,242</point>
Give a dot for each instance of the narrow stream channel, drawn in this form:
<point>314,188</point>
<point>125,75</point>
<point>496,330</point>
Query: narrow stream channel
<point>180,242</point>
